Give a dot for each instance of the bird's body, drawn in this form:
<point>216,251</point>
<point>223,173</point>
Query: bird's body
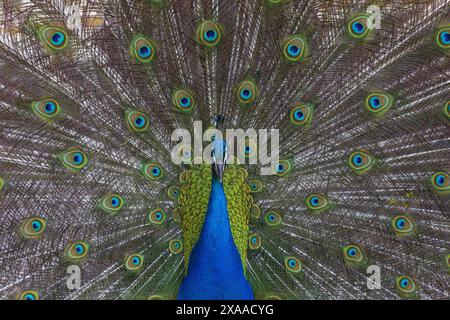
<point>355,206</point>
<point>215,271</point>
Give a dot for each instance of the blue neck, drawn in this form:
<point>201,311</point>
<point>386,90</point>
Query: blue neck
<point>215,269</point>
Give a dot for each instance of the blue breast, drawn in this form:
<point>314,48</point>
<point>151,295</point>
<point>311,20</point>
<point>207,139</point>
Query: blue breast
<point>215,269</point>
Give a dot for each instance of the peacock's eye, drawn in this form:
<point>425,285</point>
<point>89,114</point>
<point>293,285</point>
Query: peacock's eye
<point>46,109</point>
<point>361,162</point>
<point>183,101</point>
<point>357,27</point>
<point>247,92</point>
<point>111,203</point>
<point>440,182</point>
<point>152,171</point>
<point>378,103</point>
<point>254,241</point>
<point>405,285</point>
<point>443,37</point>
<point>134,262</point>
<point>301,113</point>
<point>317,202</point>
<point>352,253</point>
<point>73,159</point>
<point>255,185</point>
<point>33,228</point>
<point>293,264</point>
<point>157,216</point>
<point>173,192</point>
<point>77,251</point>
<point>137,121</point>
<point>249,148</point>
<point>175,246</point>
<point>282,167</point>
<point>403,225</point>
<point>294,48</point>
<point>142,49</point>
<point>209,33</point>
<point>273,218</point>
<point>28,295</point>
<point>53,38</point>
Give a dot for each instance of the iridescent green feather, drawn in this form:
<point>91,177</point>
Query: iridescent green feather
<point>73,159</point>
<point>136,121</point>
<point>77,251</point>
<point>53,38</point>
<point>317,203</point>
<point>358,27</point>
<point>239,204</point>
<point>440,182</point>
<point>295,48</point>
<point>354,256</point>
<point>33,227</point>
<point>142,49</point>
<point>46,109</point>
<point>192,205</point>
<point>361,161</point>
<point>111,203</point>
<point>403,225</point>
<point>301,114</point>
<point>406,287</point>
<point>209,33</point>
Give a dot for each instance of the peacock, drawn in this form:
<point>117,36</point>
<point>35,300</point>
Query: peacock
<point>354,203</point>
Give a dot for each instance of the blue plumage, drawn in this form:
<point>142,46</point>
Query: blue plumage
<point>215,268</point>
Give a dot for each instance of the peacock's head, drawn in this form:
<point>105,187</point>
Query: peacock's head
<point>219,157</point>
<point>219,150</point>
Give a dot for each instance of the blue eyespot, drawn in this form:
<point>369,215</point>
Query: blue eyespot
<point>271,217</point>
<point>357,27</point>
<point>351,252</point>
<point>400,223</point>
<point>29,296</point>
<point>280,168</point>
<point>404,283</point>
<point>440,180</point>
<point>445,37</point>
<point>58,38</point>
<point>139,122</point>
<point>136,261</point>
<point>210,35</point>
<point>247,149</point>
<point>246,94</point>
<point>185,102</point>
<point>145,52</point>
<point>293,50</point>
<point>79,248</point>
<point>254,240</point>
<point>156,171</point>
<point>292,263</point>
<point>49,107</point>
<point>78,158</point>
<point>36,225</point>
<point>299,115</point>
<point>115,201</point>
<point>314,201</point>
<point>375,102</point>
<point>357,160</point>
<point>159,216</point>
